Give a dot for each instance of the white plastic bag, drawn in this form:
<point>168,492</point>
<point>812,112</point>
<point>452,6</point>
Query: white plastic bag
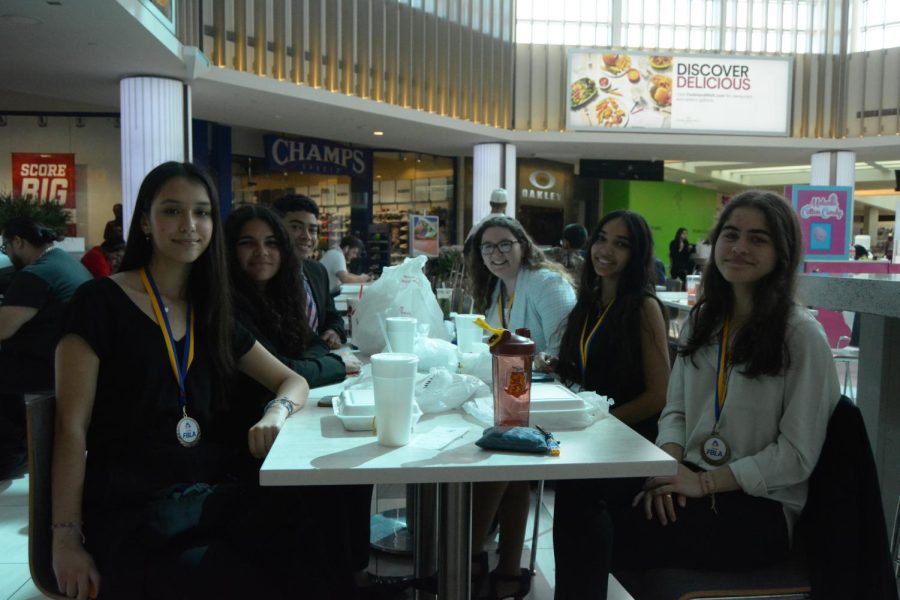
<point>481,408</point>
<point>442,390</point>
<point>434,353</point>
<point>401,291</point>
<point>478,363</point>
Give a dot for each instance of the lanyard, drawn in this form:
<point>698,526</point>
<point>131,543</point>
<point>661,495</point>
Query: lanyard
<point>179,367</point>
<point>585,346</point>
<point>501,300</point>
<point>722,372</point>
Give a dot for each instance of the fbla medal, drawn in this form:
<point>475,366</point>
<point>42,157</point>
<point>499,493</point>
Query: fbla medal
<point>715,450</point>
<point>187,430</point>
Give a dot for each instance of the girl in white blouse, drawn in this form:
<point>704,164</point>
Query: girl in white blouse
<point>747,408</point>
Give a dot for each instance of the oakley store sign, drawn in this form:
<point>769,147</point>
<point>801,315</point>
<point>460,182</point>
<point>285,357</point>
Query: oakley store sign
<point>311,155</point>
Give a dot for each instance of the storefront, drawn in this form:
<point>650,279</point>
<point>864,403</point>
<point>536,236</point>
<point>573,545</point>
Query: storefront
<point>545,203</point>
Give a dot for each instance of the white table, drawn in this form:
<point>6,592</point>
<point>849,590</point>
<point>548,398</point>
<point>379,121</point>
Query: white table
<point>313,448</point>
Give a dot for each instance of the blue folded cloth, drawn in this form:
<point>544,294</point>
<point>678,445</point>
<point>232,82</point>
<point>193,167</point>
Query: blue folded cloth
<point>517,439</point>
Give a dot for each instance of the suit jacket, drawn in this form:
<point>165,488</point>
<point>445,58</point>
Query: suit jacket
<point>329,317</point>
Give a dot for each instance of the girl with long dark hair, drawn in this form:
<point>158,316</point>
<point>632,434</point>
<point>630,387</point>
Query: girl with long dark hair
<point>154,477</point>
<point>680,250</point>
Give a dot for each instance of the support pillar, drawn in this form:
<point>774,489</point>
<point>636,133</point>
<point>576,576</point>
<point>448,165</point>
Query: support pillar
<point>493,166</point>
<point>833,168</point>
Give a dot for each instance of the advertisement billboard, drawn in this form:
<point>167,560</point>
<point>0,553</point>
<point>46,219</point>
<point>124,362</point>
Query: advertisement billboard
<point>44,177</point>
<point>612,90</point>
<point>826,216</point>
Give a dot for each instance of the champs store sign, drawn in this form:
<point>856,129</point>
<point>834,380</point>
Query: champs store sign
<point>316,156</point>
<point>44,177</point>
<point>612,90</point>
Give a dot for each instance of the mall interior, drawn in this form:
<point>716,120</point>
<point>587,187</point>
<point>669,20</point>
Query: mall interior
<point>383,109</point>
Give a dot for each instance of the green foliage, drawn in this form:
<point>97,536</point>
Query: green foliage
<point>48,214</point>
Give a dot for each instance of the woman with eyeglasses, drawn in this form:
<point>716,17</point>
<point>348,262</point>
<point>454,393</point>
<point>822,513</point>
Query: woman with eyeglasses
<point>514,286</point>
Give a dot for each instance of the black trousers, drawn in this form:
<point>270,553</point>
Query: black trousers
<point>596,531</point>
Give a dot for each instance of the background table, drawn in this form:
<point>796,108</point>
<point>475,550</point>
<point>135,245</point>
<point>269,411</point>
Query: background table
<point>313,448</point>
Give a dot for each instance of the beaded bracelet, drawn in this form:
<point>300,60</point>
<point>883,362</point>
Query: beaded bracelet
<point>709,489</point>
<point>287,404</point>
<point>76,525</point>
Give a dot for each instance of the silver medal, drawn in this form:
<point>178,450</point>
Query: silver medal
<point>188,431</point>
<point>715,450</point>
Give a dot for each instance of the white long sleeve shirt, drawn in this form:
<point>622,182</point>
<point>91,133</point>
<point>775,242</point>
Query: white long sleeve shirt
<point>774,426</point>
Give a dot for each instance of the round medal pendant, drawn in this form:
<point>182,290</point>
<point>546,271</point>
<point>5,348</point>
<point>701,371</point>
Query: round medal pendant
<point>715,450</point>
<point>187,431</point>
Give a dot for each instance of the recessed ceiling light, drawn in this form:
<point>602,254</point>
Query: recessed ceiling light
<point>20,20</point>
<point>378,133</point>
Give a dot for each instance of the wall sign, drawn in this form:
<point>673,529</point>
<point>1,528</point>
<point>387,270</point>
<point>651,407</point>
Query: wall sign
<point>826,216</point>
<point>44,177</point>
<point>316,156</point>
<point>425,235</point>
<point>611,90</point>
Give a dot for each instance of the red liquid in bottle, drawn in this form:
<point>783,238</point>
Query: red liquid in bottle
<point>512,358</point>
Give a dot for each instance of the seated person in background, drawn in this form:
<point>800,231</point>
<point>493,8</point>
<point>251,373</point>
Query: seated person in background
<point>300,215</point>
<point>569,252</point>
<point>514,286</point>
<point>659,275</point>
<point>155,469</point>
<point>335,261</point>
<point>860,252</point>
<point>31,319</point>
<point>748,406</point>
<point>113,229</point>
<point>269,295</point>
<point>103,260</point>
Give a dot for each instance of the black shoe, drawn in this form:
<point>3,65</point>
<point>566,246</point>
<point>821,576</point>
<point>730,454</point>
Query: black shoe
<point>13,465</point>
<point>524,585</point>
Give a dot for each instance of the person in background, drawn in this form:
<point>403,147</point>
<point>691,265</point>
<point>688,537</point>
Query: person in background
<point>31,319</point>
<point>748,405</point>
<point>114,229</point>
<point>336,259</point>
<point>569,252</point>
<point>659,274</point>
<point>498,202</point>
<point>104,260</point>
<point>514,286</point>
<point>155,469</point>
<point>301,217</point>
<point>860,252</point>
<point>680,250</point>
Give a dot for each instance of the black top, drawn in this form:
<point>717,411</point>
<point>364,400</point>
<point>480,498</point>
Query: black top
<point>329,318</point>
<point>680,259</point>
<point>318,365</point>
<point>131,442</point>
<point>612,373</point>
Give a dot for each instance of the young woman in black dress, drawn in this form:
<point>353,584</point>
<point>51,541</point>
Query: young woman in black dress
<point>154,490</point>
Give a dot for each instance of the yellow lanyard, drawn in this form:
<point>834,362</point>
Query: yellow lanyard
<point>722,372</point>
<point>585,344</point>
<point>504,315</point>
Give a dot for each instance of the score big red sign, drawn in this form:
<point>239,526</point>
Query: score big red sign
<point>44,177</point>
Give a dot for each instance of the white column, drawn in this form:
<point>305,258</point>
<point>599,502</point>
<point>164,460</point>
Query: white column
<point>493,166</point>
<point>155,128</point>
<point>896,258</point>
<point>833,168</point>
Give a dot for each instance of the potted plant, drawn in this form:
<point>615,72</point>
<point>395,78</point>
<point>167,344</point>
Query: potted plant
<point>48,214</point>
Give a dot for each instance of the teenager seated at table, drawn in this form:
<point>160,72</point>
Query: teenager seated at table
<point>155,472</point>
<point>747,408</point>
<point>514,286</point>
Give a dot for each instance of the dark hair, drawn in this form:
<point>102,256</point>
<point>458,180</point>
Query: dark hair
<point>281,307</point>
<point>295,203</point>
<point>353,242</point>
<point>113,245</point>
<point>859,251</point>
<point>635,283</point>
<point>482,281</point>
<point>678,234</point>
<point>576,235</point>
<point>31,231</point>
<point>760,344</point>
<point>208,284</point>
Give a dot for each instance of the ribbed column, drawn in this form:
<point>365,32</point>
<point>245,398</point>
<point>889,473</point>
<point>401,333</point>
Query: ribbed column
<point>833,168</point>
<point>493,166</point>
<point>154,116</point>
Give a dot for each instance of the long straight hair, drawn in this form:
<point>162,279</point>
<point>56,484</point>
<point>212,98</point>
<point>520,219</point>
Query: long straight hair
<point>281,305</point>
<point>760,345</point>
<point>208,283</point>
<point>635,283</point>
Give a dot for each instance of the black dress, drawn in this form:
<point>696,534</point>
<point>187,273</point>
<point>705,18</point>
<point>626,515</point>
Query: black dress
<point>163,520</point>
<point>681,263</point>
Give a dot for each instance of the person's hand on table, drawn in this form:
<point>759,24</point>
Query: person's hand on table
<point>330,337</point>
<point>545,363</point>
<point>262,435</point>
<point>352,365</point>
<point>76,574</point>
<point>660,494</point>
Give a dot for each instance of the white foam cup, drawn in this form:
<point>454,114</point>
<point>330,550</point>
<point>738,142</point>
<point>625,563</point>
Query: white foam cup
<point>401,333</point>
<point>393,380</point>
<point>467,332</point>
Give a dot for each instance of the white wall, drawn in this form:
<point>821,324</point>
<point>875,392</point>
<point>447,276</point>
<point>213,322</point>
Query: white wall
<point>96,149</point>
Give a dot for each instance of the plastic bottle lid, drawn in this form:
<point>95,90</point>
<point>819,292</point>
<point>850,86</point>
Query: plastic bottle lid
<point>514,344</point>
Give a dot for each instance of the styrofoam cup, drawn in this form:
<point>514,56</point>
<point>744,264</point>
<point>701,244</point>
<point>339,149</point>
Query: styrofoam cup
<point>393,365</point>
<point>393,382</point>
<point>467,332</point>
<point>401,332</point>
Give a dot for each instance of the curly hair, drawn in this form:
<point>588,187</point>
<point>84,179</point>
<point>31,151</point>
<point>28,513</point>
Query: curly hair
<point>482,281</point>
<point>759,345</point>
<point>635,283</point>
<point>281,305</point>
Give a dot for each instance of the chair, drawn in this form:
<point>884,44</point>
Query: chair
<point>842,555</point>
<point>674,285</point>
<point>40,414</point>
<point>845,355</point>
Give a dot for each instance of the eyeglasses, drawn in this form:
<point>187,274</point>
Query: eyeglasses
<point>504,247</point>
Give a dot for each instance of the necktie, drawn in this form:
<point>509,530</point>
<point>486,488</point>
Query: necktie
<point>311,311</point>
